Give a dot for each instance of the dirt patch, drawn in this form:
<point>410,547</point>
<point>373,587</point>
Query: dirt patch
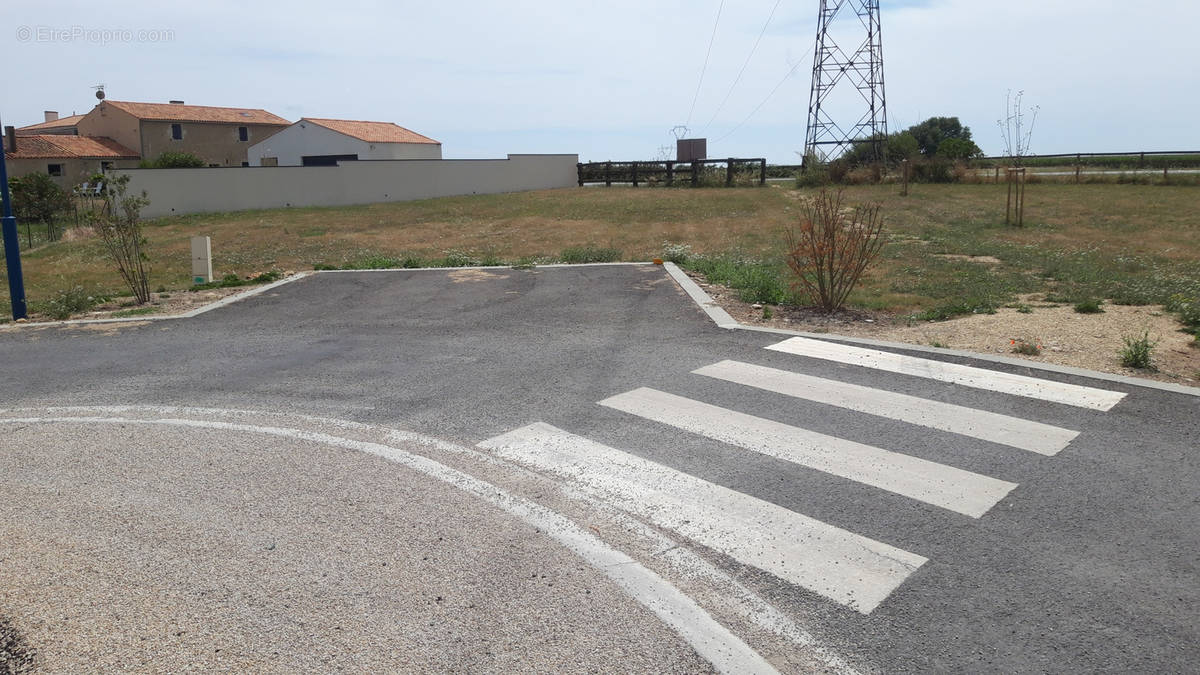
<point>473,276</point>
<point>1066,338</point>
<point>983,259</point>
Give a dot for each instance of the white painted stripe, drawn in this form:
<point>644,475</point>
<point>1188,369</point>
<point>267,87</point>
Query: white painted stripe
<point>1036,437</point>
<point>961,491</point>
<point>968,376</point>
<point>848,568</point>
<point>715,643</point>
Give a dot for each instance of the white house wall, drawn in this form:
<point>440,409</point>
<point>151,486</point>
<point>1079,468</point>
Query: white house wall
<point>307,139</point>
<point>183,191</point>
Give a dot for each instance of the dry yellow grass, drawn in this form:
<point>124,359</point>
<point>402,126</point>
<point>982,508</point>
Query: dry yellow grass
<point>1156,224</point>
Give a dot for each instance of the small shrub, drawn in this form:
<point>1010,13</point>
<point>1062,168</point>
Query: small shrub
<point>1138,351</point>
<point>1025,348</point>
<point>1089,307</point>
<point>575,255</point>
<point>118,223</point>
<point>938,344</point>
<point>74,300</point>
<point>829,252</point>
<point>36,197</point>
<point>173,160</point>
<point>767,313</point>
<point>1024,309</point>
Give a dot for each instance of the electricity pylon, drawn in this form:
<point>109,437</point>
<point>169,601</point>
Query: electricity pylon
<point>862,69</point>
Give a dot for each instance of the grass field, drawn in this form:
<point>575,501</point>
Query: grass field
<point>1132,244</point>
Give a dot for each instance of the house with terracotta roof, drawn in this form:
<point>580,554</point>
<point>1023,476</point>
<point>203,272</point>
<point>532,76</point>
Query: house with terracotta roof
<point>67,126</point>
<point>315,141</point>
<point>219,136</point>
<point>70,160</point>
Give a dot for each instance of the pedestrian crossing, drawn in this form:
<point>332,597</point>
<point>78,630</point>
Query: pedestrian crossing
<point>842,566</point>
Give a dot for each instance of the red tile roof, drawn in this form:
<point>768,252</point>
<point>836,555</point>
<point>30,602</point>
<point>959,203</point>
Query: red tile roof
<point>68,121</point>
<point>53,146</point>
<point>372,132</point>
<point>176,112</point>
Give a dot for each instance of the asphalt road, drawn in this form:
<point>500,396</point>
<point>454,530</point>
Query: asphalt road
<point>825,526</point>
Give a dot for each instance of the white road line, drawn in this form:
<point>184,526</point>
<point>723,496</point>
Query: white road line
<point>1036,437</point>
<point>848,568</point>
<point>961,491</point>
<point>968,376</point>
<point>715,643</point>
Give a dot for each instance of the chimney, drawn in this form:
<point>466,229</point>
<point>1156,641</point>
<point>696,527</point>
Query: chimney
<point>176,102</point>
<point>51,115</point>
<point>10,135</point>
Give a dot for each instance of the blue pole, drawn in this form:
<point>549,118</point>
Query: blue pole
<point>12,249</point>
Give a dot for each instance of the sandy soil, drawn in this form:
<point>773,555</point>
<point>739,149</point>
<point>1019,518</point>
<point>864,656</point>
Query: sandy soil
<point>1066,338</point>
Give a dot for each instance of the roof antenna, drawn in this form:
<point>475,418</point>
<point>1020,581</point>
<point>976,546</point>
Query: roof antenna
<point>99,91</point>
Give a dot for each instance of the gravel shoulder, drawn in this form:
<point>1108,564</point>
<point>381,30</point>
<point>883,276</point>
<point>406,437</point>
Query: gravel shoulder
<point>1066,338</point>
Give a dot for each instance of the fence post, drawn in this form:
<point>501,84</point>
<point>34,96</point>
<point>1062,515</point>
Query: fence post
<point>1021,199</point>
<point>762,171</point>
<point>1164,174</point>
<point>635,176</point>
<point>579,169</point>
<point>997,174</point>
<point>608,174</point>
<point>1078,170</point>
<point>1008,206</point>
<point>904,173</point>
<point>729,172</point>
<point>670,173</point>
<point>695,173</point>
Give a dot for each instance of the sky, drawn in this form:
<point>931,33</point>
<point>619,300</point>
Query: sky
<point>610,79</point>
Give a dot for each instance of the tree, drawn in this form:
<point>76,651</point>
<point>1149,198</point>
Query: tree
<point>174,160</point>
<point>36,197</point>
<point>118,222</point>
<point>957,148</point>
<point>832,248</point>
<point>932,132</point>
<point>902,146</point>
<point>1013,131</point>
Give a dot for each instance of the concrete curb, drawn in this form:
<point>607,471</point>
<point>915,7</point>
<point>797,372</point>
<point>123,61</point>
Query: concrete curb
<point>723,320</point>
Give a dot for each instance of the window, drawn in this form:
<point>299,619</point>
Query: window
<point>177,132</point>
<point>105,167</point>
<point>243,134</point>
<point>245,163</point>
<point>54,169</point>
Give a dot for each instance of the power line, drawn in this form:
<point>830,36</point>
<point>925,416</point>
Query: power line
<point>747,63</point>
<point>764,101</point>
<point>705,68</point>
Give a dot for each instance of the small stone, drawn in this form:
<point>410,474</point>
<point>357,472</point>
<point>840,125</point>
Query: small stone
<point>869,320</point>
<point>756,306</point>
<point>22,320</point>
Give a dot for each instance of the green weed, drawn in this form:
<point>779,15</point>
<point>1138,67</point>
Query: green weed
<point>1137,352</point>
<point>1090,306</point>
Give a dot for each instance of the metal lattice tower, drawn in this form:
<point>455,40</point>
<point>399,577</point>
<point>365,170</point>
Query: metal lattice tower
<point>834,69</point>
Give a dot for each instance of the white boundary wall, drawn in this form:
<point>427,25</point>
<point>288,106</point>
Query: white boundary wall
<point>183,191</point>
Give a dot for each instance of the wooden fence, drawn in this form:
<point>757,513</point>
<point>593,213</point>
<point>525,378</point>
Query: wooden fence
<point>668,172</point>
